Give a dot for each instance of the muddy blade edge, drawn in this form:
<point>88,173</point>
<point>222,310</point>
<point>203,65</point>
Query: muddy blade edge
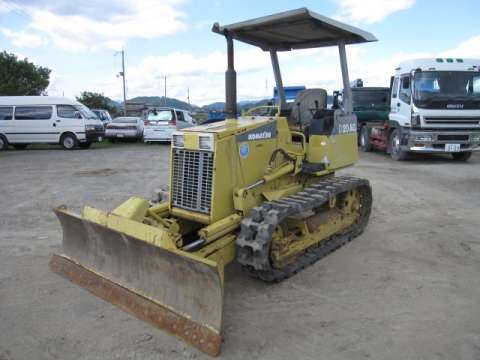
<point>177,294</point>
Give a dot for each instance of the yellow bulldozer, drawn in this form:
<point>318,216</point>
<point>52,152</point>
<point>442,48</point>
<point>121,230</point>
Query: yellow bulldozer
<point>260,190</point>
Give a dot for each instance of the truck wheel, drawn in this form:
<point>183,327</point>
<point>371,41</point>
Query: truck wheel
<point>3,143</point>
<point>69,141</point>
<point>396,152</point>
<point>365,139</point>
<point>462,156</point>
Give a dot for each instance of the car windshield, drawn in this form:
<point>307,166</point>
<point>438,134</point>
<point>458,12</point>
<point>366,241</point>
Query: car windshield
<point>86,112</point>
<point>447,84</point>
<point>160,115</point>
<point>124,120</point>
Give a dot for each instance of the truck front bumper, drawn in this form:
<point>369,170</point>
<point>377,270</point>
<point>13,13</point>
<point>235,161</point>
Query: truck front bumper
<point>427,141</point>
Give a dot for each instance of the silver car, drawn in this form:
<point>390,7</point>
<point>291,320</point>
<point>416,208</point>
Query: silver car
<point>125,128</point>
<point>161,123</point>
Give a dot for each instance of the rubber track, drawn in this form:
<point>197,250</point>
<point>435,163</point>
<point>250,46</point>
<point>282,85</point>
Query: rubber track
<point>253,242</point>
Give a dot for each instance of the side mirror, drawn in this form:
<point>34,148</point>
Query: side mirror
<point>406,83</point>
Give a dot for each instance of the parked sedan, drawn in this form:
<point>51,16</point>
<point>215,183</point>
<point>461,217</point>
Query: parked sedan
<point>125,128</point>
<point>161,123</point>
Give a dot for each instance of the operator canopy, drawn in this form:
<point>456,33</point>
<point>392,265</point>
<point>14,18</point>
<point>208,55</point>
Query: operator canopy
<point>294,29</point>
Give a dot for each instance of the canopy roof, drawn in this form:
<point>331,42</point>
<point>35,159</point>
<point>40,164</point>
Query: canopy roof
<point>294,29</point>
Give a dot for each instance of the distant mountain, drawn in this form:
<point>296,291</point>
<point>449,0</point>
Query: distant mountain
<point>241,105</point>
<point>216,106</point>
<point>114,104</point>
<point>160,101</point>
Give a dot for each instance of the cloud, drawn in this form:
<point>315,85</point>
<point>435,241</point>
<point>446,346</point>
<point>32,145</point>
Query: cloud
<point>469,48</point>
<point>97,10</point>
<point>24,39</point>
<point>370,11</point>
<point>98,25</point>
<point>204,75</point>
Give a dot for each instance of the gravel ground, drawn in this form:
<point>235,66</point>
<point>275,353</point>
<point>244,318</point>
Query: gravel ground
<point>408,288</point>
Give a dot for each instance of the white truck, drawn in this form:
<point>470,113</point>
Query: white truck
<point>434,108</point>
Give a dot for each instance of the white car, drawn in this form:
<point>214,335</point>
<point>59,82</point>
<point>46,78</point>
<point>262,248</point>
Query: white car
<point>125,128</point>
<point>28,120</point>
<point>160,124</point>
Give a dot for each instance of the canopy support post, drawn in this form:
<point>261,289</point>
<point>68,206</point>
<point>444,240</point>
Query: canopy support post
<point>347,92</point>
<point>278,79</point>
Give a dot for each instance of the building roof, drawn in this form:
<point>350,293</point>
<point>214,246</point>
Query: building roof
<point>294,29</point>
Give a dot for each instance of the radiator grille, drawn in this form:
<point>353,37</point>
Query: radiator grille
<point>452,120</point>
<point>192,180</point>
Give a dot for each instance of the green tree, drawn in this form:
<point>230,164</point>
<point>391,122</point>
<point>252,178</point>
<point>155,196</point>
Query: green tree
<point>95,100</point>
<point>21,77</point>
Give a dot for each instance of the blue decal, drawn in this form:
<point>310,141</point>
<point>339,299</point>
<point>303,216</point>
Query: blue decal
<point>244,150</point>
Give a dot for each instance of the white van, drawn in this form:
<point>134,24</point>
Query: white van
<point>47,120</point>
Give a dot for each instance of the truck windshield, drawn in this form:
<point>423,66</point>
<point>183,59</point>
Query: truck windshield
<point>447,89</point>
<point>365,99</point>
<point>160,115</point>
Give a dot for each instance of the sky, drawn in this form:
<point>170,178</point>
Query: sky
<point>80,40</point>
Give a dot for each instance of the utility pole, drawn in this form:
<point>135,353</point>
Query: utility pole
<point>124,87</point>
<point>165,96</point>
<point>122,74</point>
<point>188,95</point>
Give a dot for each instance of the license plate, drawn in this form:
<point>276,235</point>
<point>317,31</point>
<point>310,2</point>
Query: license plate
<point>452,147</point>
<point>120,135</point>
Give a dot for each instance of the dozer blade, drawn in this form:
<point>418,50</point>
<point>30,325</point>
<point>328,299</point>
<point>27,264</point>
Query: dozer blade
<point>169,289</point>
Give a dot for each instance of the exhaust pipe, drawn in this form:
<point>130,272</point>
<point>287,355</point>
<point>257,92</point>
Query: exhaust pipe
<point>230,82</point>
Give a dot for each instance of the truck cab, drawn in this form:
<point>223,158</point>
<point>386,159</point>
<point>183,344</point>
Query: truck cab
<point>435,107</point>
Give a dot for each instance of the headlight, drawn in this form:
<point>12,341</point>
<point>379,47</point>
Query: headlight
<point>205,142</point>
<point>415,121</point>
<point>90,128</point>
<point>476,138</point>
<point>424,138</point>
<point>178,140</point>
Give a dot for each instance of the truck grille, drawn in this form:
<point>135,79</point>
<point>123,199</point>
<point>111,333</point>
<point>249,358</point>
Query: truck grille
<point>452,120</point>
<point>192,176</point>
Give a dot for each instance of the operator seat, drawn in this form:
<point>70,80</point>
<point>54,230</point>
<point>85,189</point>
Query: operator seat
<point>310,112</point>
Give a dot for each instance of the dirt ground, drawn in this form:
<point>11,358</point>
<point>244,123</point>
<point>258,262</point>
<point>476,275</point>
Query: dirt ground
<point>408,288</point>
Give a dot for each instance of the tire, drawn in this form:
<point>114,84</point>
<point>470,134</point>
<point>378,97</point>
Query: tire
<point>3,142</point>
<point>69,141</point>
<point>364,139</point>
<point>395,152</point>
<point>85,145</point>
<point>20,146</point>
<point>462,156</point>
